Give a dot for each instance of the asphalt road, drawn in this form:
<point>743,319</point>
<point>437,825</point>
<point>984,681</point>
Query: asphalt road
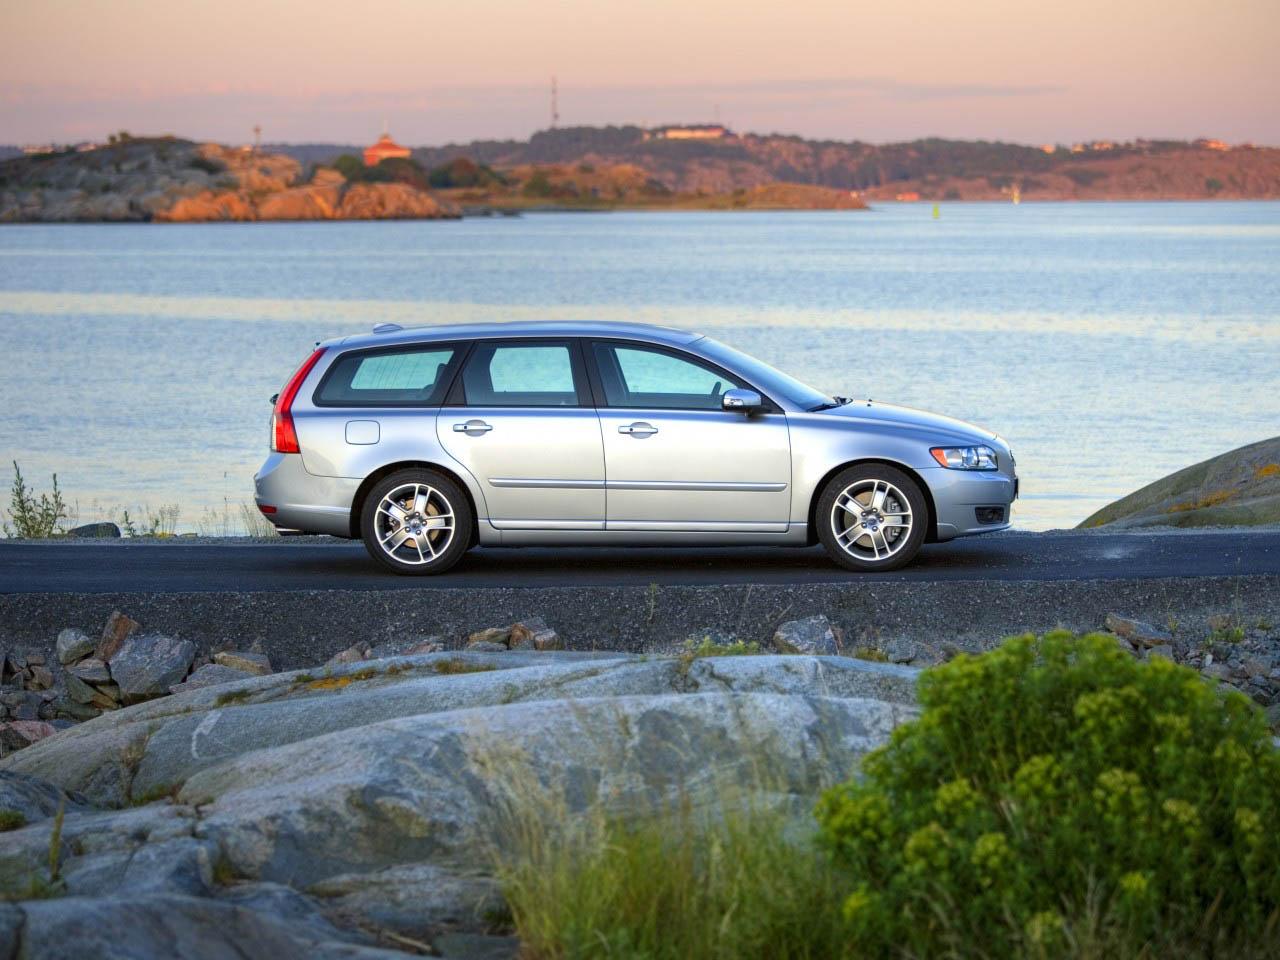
<point>177,567</point>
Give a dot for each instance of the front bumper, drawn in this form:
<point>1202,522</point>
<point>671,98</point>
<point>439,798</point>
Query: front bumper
<point>959,495</point>
<point>302,500</point>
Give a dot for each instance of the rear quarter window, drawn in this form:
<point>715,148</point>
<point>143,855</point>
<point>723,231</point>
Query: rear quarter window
<point>417,376</point>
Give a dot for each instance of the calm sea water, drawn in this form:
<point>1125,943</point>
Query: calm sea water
<point>1109,343</point>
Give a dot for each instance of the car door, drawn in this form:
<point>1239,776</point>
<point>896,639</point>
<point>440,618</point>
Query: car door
<point>519,418</point>
<point>674,460</point>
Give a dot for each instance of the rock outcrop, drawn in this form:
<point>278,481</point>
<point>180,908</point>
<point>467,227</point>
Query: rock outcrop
<point>171,180</point>
<point>1237,488</point>
<point>355,808</point>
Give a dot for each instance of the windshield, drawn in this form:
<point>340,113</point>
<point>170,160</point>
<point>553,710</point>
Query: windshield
<point>773,382</point>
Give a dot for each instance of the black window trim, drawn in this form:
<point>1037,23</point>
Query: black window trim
<point>597,383</point>
<point>456,396</point>
<point>460,350</point>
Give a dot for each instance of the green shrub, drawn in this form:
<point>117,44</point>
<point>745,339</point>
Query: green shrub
<point>1057,797</point>
<point>1084,177</point>
<point>538,185</point>
<point>207,164</point>
<point>353,169</point>
<point>34,517</point>
<point>464,172</point>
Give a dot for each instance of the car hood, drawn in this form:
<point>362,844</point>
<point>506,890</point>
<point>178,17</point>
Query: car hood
<point>876,412</point>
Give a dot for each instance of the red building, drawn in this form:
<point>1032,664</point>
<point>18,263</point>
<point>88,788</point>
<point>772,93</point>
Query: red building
<point>384,149</point>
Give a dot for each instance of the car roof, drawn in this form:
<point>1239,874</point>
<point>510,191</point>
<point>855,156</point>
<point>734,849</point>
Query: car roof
<point>518,328</point>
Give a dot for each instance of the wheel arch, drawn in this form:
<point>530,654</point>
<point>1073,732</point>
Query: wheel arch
<point>931,531</point>
<point>362,492</point>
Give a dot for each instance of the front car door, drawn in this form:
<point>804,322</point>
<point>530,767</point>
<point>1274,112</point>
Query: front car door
<point>520,419</point>
<point>674,460</point>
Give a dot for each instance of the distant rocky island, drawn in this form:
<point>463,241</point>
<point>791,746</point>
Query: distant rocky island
<point>711,160</point>
<point>170,180</point>
<point>603,168</point>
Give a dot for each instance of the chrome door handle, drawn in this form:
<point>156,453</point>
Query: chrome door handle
<point>472,426</point>
<point>638,429</point>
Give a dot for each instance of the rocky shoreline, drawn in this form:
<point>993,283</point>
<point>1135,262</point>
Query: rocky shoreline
<point>166,180</point>
<point>347,810</point>
<point>353,809</point>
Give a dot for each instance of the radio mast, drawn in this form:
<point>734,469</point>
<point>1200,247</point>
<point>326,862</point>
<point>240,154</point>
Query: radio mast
<point>555,104</point>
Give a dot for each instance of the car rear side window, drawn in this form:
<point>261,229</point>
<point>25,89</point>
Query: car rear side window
<point>405,377</point>
<point>521,375</point>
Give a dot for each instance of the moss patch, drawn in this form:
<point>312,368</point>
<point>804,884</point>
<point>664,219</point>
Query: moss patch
<point>330,683</point>
<point>1208,500</point>
<point>450,667</point>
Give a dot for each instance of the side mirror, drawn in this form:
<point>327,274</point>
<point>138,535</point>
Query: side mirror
<point>741,401</point>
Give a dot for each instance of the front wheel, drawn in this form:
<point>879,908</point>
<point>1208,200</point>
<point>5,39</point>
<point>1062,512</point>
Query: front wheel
<point>416,522</point>
<point>872,517</point>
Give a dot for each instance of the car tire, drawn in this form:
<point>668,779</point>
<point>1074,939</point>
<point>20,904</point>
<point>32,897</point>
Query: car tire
<point>859,517</point>
<point>413,509</point>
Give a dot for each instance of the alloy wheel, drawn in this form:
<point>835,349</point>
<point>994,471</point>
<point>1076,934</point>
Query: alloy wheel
<point>871,520</point>
<point>414,523</point>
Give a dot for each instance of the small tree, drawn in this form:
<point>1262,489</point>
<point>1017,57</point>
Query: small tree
<point>34,517</point>
<point>538,185</point>
<point>350,166</point>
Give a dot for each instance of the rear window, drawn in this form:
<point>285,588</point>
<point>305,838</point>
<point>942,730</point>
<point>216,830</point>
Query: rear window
<point>536,374</point>
<point>417,376</point>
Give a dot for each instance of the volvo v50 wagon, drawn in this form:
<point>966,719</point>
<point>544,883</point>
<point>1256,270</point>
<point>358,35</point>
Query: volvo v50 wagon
<point>427,442</point>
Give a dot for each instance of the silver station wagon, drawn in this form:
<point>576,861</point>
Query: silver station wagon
<point>427,442</point>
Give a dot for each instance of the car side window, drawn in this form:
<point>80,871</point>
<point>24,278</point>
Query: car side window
<point>636,376</point>
<point>520,375</point>
<point>411,376</point>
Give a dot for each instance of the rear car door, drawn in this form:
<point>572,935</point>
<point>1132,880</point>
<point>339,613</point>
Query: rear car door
<point>519,417</point>
<point>674,460</point>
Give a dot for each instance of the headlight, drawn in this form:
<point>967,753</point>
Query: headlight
<point>965,458</point>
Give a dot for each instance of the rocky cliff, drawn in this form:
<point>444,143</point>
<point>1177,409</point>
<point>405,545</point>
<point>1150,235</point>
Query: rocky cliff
<point>172,180</point>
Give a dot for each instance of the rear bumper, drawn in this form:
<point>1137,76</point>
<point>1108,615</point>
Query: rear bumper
<point>958,495</point>
<point>302,500</point>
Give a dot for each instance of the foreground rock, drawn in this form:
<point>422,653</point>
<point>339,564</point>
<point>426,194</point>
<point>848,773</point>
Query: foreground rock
<point>350,807</point>
<point>813,635</point>
<point>1238,488</point>
<point>164,925</point>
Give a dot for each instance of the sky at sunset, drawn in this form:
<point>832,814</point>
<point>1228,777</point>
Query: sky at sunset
<point>436,72</point>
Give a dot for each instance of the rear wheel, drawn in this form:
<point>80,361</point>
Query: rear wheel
<point>416,522</point>
<point>872,517</point>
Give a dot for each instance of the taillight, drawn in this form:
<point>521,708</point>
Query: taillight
<point>284,438</point>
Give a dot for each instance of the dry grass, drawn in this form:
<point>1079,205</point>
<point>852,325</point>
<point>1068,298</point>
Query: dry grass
<point>726,873</point>
<point>679,886</point>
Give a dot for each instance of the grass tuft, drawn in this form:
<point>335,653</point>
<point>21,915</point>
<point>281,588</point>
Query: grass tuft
<point>706,647</point>
<point>736,884</point>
